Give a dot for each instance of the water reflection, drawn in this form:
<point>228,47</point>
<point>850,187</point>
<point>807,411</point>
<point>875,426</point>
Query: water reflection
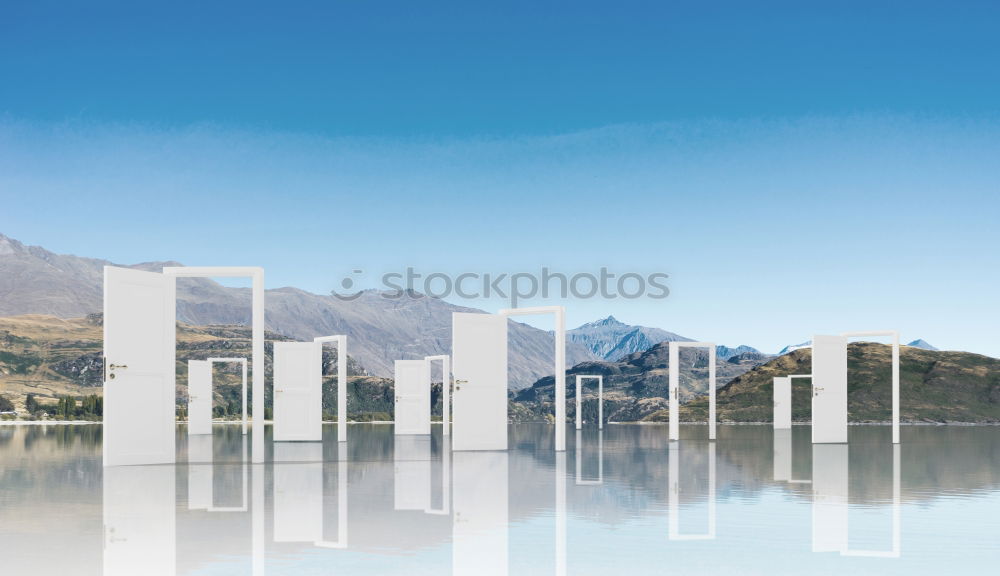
<point>480,522</point>
<point>140,535</point>
<point>771,501</point>
<point>694,486</point>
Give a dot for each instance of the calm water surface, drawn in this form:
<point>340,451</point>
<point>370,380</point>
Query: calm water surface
<point>621,501</point>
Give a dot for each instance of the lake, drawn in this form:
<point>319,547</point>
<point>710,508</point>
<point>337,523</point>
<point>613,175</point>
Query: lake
<point>624,500</point>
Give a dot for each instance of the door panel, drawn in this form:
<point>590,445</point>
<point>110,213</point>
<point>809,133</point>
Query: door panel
<point>782,403</point>
<point>479,354</point>
<point>139,398</point>
<point>829,378</point>
<point>480,528</point>
<point>298,392</point>
<point>413,397</point>
<point>199,397</point>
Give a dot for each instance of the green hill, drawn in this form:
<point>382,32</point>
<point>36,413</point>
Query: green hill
<point>935,386</point>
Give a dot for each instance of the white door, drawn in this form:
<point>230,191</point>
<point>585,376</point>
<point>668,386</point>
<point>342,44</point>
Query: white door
<point>479,526</point>
<point>199,397</point>
<point>479,356</point>
<point>139,399</point>
<point>298,392</point>
<point>829,379</point>
<point>140,517</point>
<point>298,493</point>
<point>829,507</point>
<point>782,403</point>
<point>413,397</point>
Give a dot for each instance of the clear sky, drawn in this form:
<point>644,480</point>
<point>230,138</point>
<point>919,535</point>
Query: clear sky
<point>796,168</point>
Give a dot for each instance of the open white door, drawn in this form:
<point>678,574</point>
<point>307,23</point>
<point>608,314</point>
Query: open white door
<point>139,399</point>
<point>782,403</point>
<point>829,379</point>
<point>480,524</point>
<point>199,397</point>
<point>298,392</point>
<point>140,521</point>
<point>829,506</point>
<point>413,397</point>
<point>479,354</point>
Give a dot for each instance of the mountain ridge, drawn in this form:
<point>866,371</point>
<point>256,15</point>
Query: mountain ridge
<point>380,330</point>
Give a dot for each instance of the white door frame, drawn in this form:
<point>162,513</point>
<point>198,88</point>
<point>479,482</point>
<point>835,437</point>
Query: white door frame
<point>784,400</point>
<point>600,399</point>
<point>894,334</point>
<point>256,274</point>
<point>243,363</point>
<point>560,362</point>
<point>445,389</point>
<point>341,341</point>
<point>674,393</point>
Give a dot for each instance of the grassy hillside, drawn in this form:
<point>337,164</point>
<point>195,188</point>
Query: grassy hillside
<point>934,387</point>
<point>635,387</point>
<point>52,357</point>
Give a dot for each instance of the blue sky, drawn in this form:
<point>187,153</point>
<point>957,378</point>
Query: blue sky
<point>796,169</point>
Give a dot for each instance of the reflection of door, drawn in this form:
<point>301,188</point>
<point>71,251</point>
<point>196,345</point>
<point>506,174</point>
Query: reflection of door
<point>829,508</point>
<point>674,477</point>
<point>480,522</point>
<point>413,397</point>
<point>298,493</point>
<point>298,392</point>
<point>782,455</point>
<point>412,472</point>
<point>199,397</point>
<point>479,354</point>
<point>200,472</point>
<point>139,411</point>
<point>139,521</point>
<point>829,400</point>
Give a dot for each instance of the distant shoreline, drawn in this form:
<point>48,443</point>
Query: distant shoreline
<point>386,422</point>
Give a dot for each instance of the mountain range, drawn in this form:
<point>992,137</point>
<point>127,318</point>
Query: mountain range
<point>34,280</point>
<point>918,343</point>
<point>612,340</point>
<point>380,330</point>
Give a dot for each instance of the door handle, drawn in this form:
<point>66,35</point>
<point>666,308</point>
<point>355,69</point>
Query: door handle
<point>459,382</point>
<point>117,366</point>
<point>817,389</point>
